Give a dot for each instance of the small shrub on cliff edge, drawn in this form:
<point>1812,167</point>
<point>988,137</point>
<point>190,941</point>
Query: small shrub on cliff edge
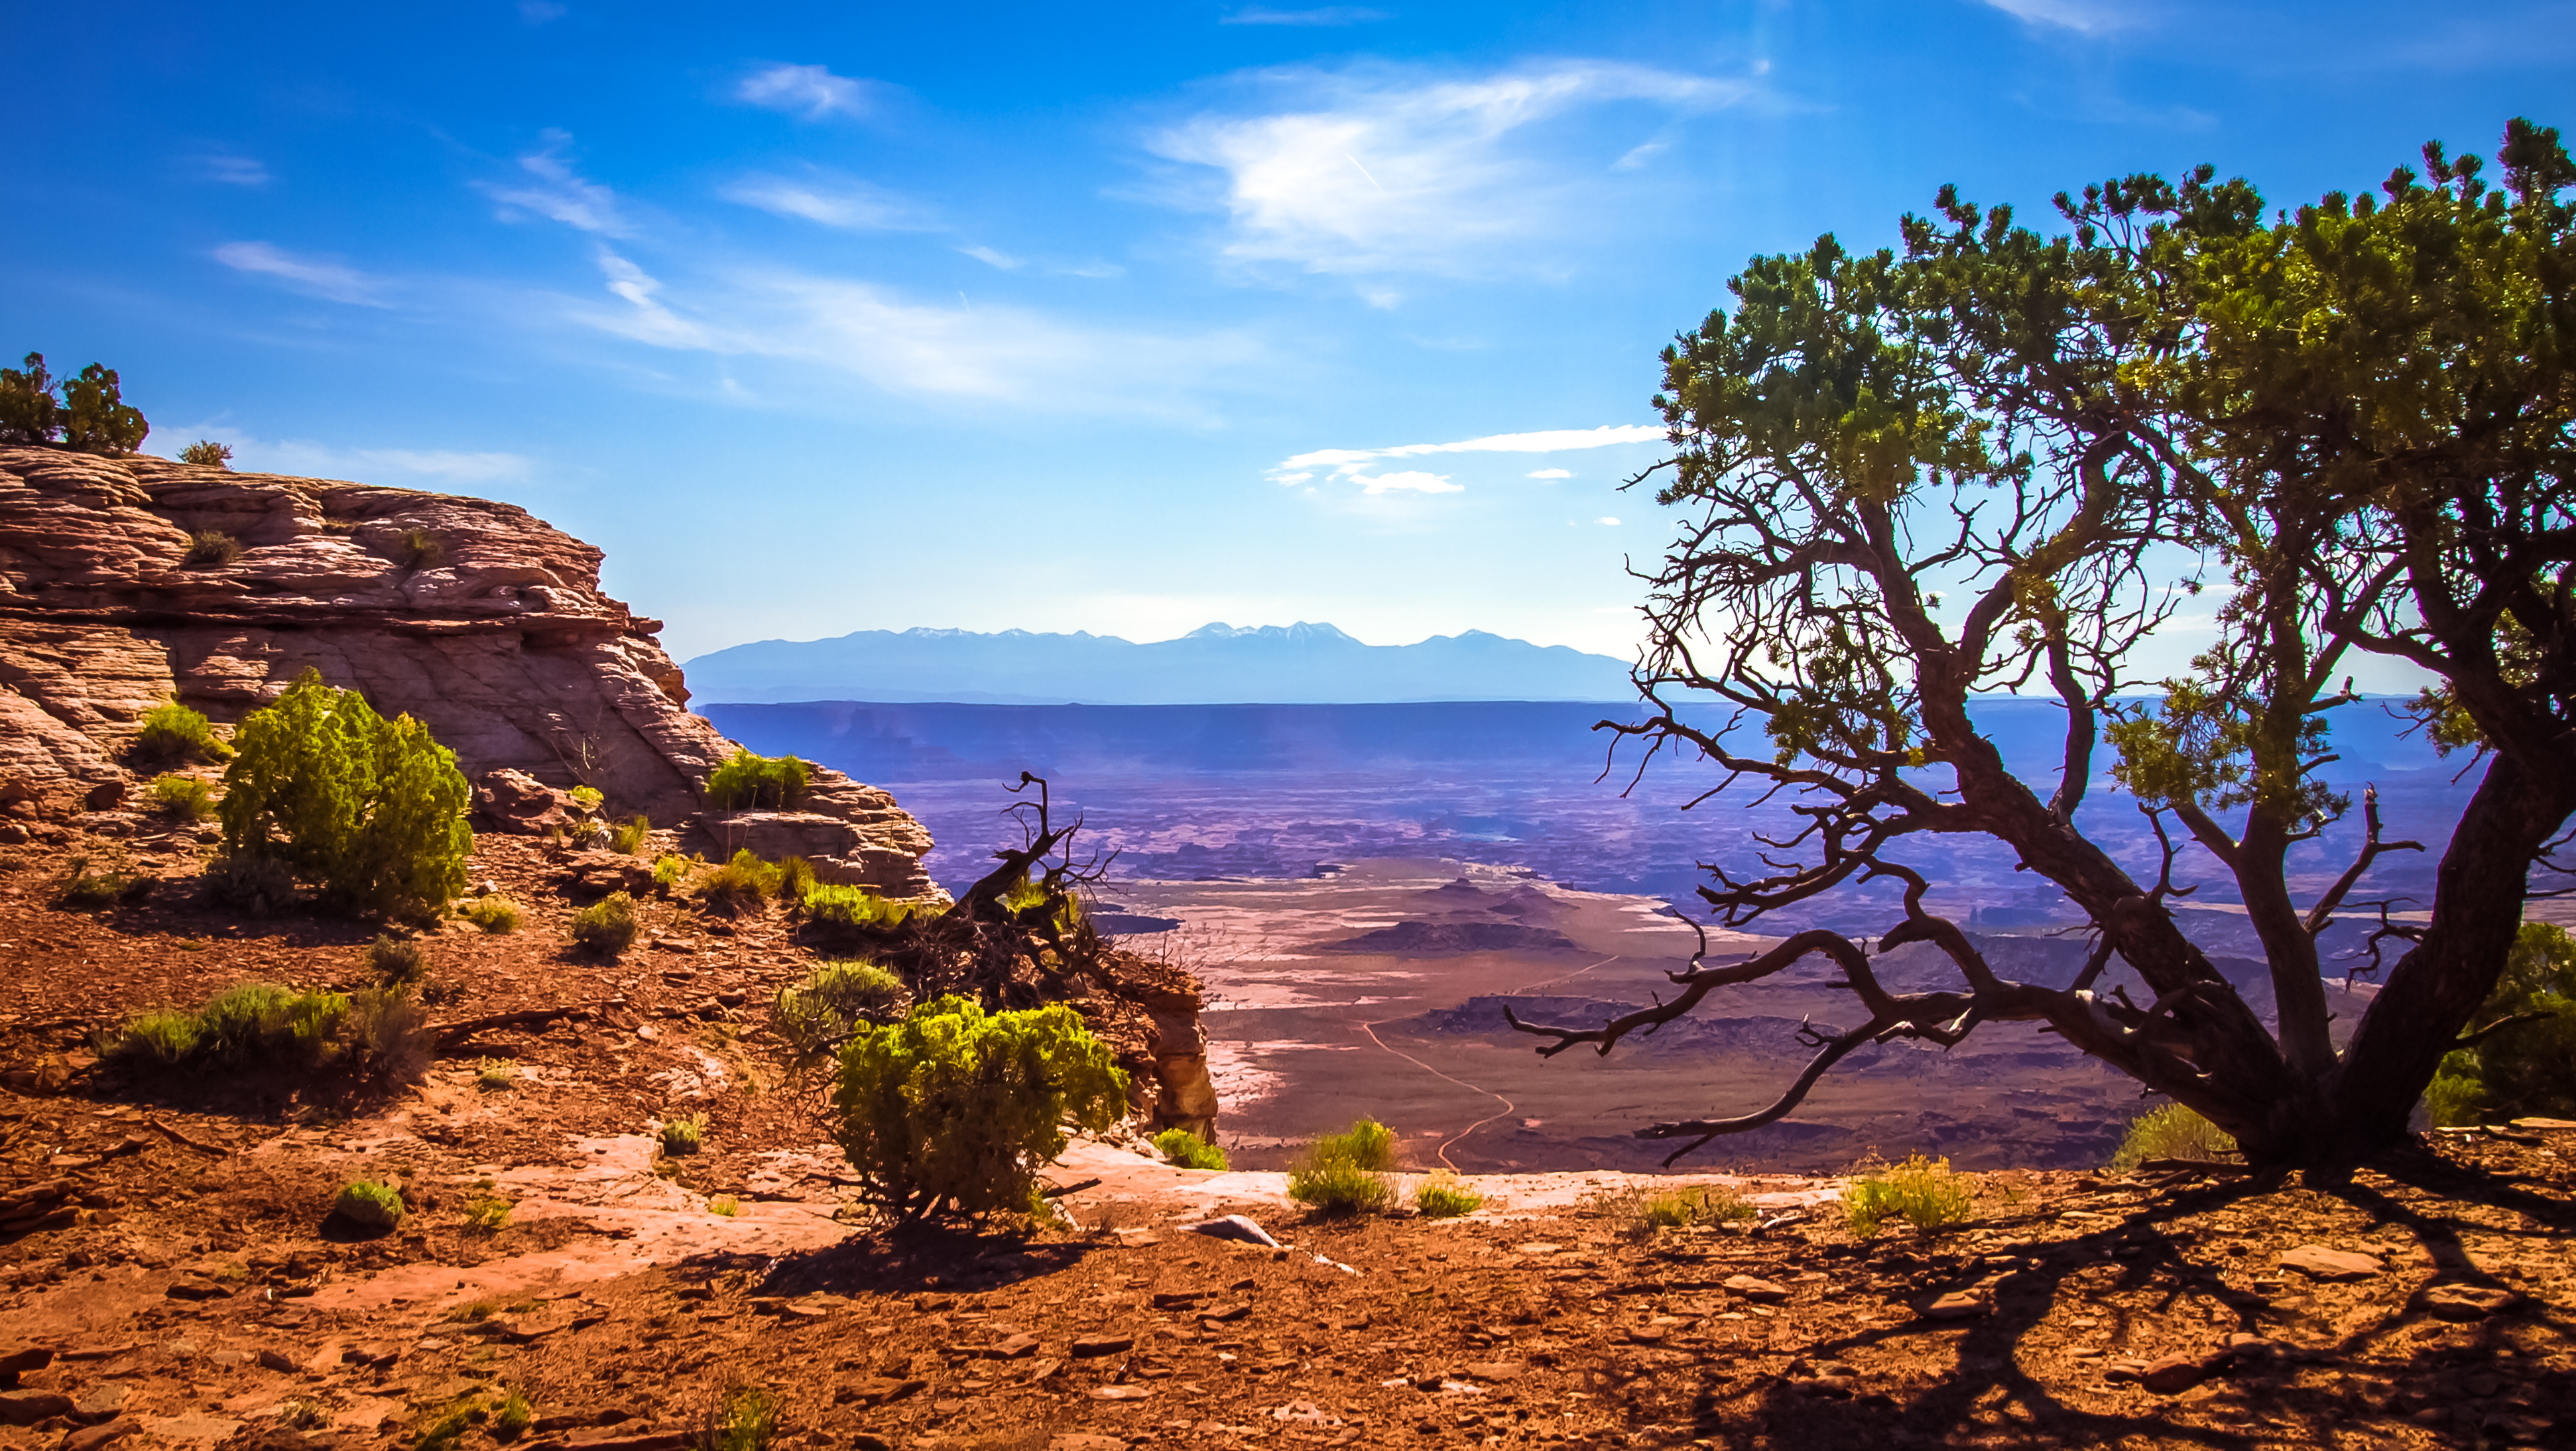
<point>419,549</point>
<point>954,1109</point>
<point>628,837</point>
<point>851,909</point>
<point>748,783</point>
<point>1923,1192</point>
<point>1446,1196</point>
<point>184,797</point>
<point>371,810</point>
<point>740,885</point>
<point>205,453</point>
<point>2172,1132</point>
<point>208,548</point>
<point>1345,1173</point>
<point>92,414</point>
<point>173,732</point>
<point>1185,1150</point>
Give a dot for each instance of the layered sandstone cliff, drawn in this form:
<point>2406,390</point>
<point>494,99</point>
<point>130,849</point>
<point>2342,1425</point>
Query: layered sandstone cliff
<point>475,617</point>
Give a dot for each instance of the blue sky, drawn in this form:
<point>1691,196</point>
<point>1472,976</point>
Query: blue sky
<point>1119,318</point>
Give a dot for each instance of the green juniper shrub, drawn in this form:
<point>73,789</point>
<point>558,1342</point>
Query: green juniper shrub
<point>371,810</point>
<point>370,1202</point>
<point>1346,1173</point>
<point>1446,1196</point>
<point>684,1135</point>
<point>954,1109</point>
<point>1923,1192</point>
<point>2173,1132</point>
<point>28,412</point>
<point>95,418</point>
<point>630,836</point>
<point>211,549</point>
<point>607,926</point>
<point>2525,1069</point>
<point>419,549</point>
<point>1183,1149</point>
<point>835,1002</point>
<point>398,960</point>
<point>173,732</point>
<point>495,914</point>
<point>740,885</point>
<point>184,797</point>
<point>747,782</point>
<point>205,453</point>
<point>259,886</point>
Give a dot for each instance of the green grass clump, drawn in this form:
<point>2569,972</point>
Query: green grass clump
<point>208,548</point>
<point>745,1420</point>
<point>628,837</point>
<point>184,797</point>
<point>370,1202</point>
<point>1694,1205</point>
<point>487,1213</point>
<point>419,549</point>
<point>586,831</point>
<point>83,888</point>
<point>171,731</point>
<point>748,782</point>
<point>740,885</point>
<point>512,1418</point>
<point>1345,1173</point>
<point>668,870</point>
<point>852,909</point>
<point>724,1204</point>
<point>1923,1192</point>
<point>2173,1132</point>
<point>398,960</point>
<point>254,1025</point>
<point>1187,1150</point>
<point>496,1075</point>
<point>1446,1196</point>
<point>685,1135</point>
<point>495,914</point>
<point>795,879</point>
<point>607,926</point>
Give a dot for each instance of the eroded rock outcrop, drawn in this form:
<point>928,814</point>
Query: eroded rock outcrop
<point>477,618</point>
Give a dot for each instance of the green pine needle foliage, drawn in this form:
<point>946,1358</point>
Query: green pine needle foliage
<point>2526,1069</point>
<point>953,1110</point>
<point>371,810</point>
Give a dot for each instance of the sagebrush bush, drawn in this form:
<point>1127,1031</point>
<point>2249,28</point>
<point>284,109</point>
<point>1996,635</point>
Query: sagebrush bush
<point>1346,1173</point>
<point>208,548</point>
<point>205,453</point>
<point>668,870</point>
<point>402,960</point>
<point>85,887</point>
<point>495,914</point>
<point>173,732</point>
<point>1446,1196</point>
<point>795,879</point>
<point>586,799</point>
<point>496,1075</point>
<point>607,926</point>
<point>388,1032</point>
<point>1183,1149</point>
<point>253,1025</point>
<point>2172,1132</point>
<point>851,909</point>
<point>1923,1192</point>
<point>370,810</point>
<point>184,797</point>
<point>369,1202</point>
<point>419,549</point>
<point>2527,1069</point>
<point>835,1002</point>
<point>1691,1205</point>
<point>954,1109</point>
<point>630,836</point>
<point>747,782</point>
<point>586,831</point>
<point>745,1420</point>
<point>740,885</point>
<point>684,1135</point>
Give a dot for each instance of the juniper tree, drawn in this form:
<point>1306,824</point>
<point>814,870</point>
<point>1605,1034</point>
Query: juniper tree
<point>2357,417</point>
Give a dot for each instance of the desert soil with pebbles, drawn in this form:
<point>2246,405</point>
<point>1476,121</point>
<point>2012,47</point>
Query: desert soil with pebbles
<point>169,1275</point>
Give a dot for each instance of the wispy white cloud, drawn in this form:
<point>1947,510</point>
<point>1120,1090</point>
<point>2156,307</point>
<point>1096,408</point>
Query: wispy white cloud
<point>991,258</point>
<point>1611,520</point>
<point>1374,170</point>
<point>1351,465</point>
<point>834,201</point>
<point>1322,15</point>
<point>810,91</point>
<point>561,193</point>
<point>2088,17</point>
<point>334,280</point>
<point>231,168</point>
<point>305,457</point>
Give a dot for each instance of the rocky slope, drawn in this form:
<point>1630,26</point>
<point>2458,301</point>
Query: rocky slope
<point>480,620</point>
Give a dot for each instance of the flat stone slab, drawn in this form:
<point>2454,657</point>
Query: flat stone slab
<point>2463,1303</point>
<point>1958,1305</point>
<point>1760,1292</point>
<point>2331,1264</point>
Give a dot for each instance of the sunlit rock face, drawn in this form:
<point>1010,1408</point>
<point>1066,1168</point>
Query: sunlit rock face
<point>482,621</point>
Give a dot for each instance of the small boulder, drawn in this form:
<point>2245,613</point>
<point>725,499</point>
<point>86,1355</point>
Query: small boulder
<point>1958,1305</point>
<point>2318,1261</point>
<point>26,1408</point>
<point>1089,1346</point>
<point>1760,1292</point>
<point>2461,1304</point>
<point>2173,1375</point>
<point>102,1402</point>
<point>18,1362</point>
<point>1235,1227</point>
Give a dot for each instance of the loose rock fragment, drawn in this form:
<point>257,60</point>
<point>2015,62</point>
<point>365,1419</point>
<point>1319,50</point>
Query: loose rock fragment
<point>1235,1227</point>
<point>2461,1304</point>
<point>2331,1264</point>
<point>1760,1292</point>
<point>1958,1305</point>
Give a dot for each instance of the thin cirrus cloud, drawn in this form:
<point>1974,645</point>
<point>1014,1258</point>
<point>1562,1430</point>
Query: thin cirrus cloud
<point>2087,17</point>
<point>832,201</point>
<point>1351,465</point>
<point>309,459</point>
<point>229,168</point>
<point>1324,15</point>
<point>1380,170</point>
<point>561,194</point>
<point>810,91</point>
<point>314,275</point>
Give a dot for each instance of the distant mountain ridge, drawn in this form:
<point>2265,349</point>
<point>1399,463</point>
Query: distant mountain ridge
<point>1216,664</point>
